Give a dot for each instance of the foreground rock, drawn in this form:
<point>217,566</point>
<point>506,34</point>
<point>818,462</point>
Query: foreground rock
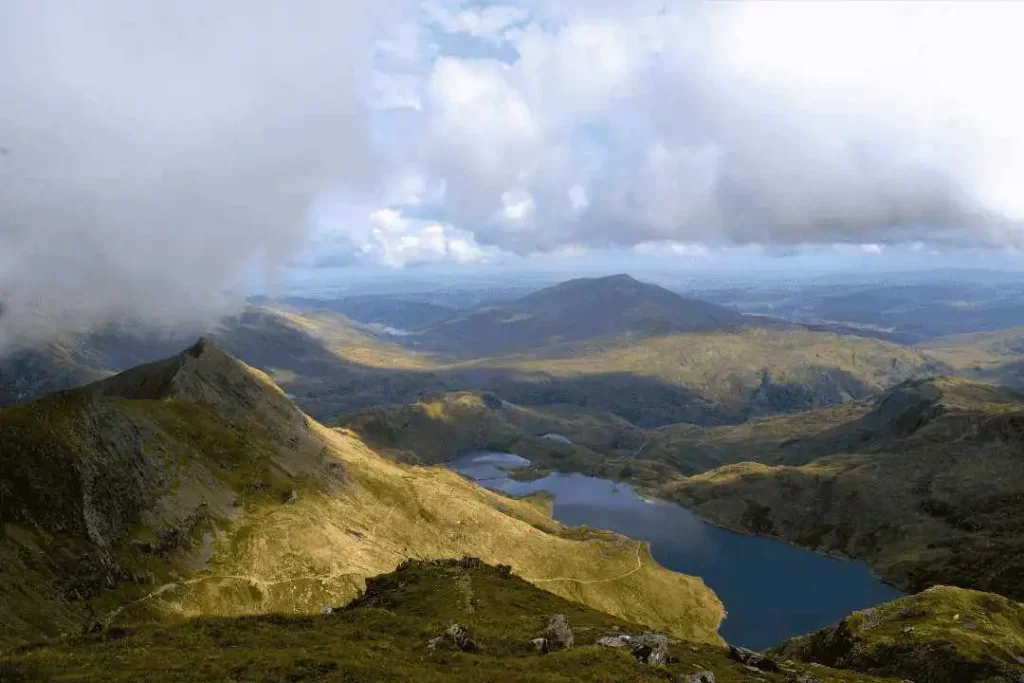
<point>755,660</point>
<point>699,677</point>
<point>456,635</point>
<point>648,647</point>
<point>557,636</point>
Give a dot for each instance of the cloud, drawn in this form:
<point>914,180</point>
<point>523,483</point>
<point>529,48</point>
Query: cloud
<point>675,249</point>
<point>393,240</point>
<point>730,123</point>
<point>157,152</point>
<point>489,22</point>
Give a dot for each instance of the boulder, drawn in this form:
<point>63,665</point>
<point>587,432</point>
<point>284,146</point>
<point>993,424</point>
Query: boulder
<point>699,677</point>
<point>755,660</point>
<point>650,648</point>
<point>558,634</point>
<point>614,641</point>
<point>458,636</point>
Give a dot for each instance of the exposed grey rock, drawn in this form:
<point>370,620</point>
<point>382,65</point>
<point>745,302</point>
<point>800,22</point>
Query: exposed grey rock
<point>752,659</point>
<point>558,634</point>
<point>650,647</point>
<point>699,677</point>
<point>457,635</point>
<point>540,644</point>
<point>327,609</point>
<point>614,641</point>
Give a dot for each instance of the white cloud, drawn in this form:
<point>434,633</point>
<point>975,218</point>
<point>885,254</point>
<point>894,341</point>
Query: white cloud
<point>871,248</point>
<point>709,123</point>
<point>668,248</point>
<point>171,161</point>
<point>518,205</point>
<point>396,241</point>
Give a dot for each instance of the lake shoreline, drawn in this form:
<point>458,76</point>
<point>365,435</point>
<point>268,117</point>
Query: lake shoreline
<point>772,589</point>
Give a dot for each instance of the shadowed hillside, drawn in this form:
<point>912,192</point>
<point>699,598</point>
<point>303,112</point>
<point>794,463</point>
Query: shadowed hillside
<point>926,483</point>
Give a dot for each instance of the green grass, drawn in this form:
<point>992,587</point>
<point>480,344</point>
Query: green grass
<point>382,636</point>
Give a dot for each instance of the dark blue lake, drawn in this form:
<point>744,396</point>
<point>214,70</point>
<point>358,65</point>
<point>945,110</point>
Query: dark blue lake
<point>771,590</point>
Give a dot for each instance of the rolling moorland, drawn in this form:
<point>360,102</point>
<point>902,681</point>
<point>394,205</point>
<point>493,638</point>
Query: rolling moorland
<point>167,508</point>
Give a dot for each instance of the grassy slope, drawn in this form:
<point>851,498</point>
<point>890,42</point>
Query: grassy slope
<point>943,635</point>
<point>987,356</point>
<point>215,496</point>
<point>382,636</point>
<point>728,367</point>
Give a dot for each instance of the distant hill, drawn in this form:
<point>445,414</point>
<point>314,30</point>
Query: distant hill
<point>193,487</point>
<point>987,356</point>
<point>573,311</point>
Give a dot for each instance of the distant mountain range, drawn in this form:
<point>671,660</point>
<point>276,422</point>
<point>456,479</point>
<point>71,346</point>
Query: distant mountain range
<point>612,344</point>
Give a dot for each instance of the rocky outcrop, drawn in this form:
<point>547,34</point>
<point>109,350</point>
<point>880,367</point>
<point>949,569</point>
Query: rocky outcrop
<point>557,636</point>
<point>456,636</point>
<point>651,648</point>
<point>755,660</point>
<point>699,677</point>
<point>648,647</point>
<point>941,635</point>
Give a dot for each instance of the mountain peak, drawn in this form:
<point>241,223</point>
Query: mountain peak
<point>205,373</point>
<point>203,345</point>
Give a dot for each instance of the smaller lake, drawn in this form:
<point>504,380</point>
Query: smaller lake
<point>771,590</point>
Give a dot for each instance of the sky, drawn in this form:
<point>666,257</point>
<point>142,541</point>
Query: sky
<point>154,156</point>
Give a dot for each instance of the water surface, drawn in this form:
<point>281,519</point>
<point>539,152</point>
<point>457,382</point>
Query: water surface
<point>771,590</point>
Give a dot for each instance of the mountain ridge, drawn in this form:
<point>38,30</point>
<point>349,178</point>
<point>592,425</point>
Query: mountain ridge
<point>212,494</point>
